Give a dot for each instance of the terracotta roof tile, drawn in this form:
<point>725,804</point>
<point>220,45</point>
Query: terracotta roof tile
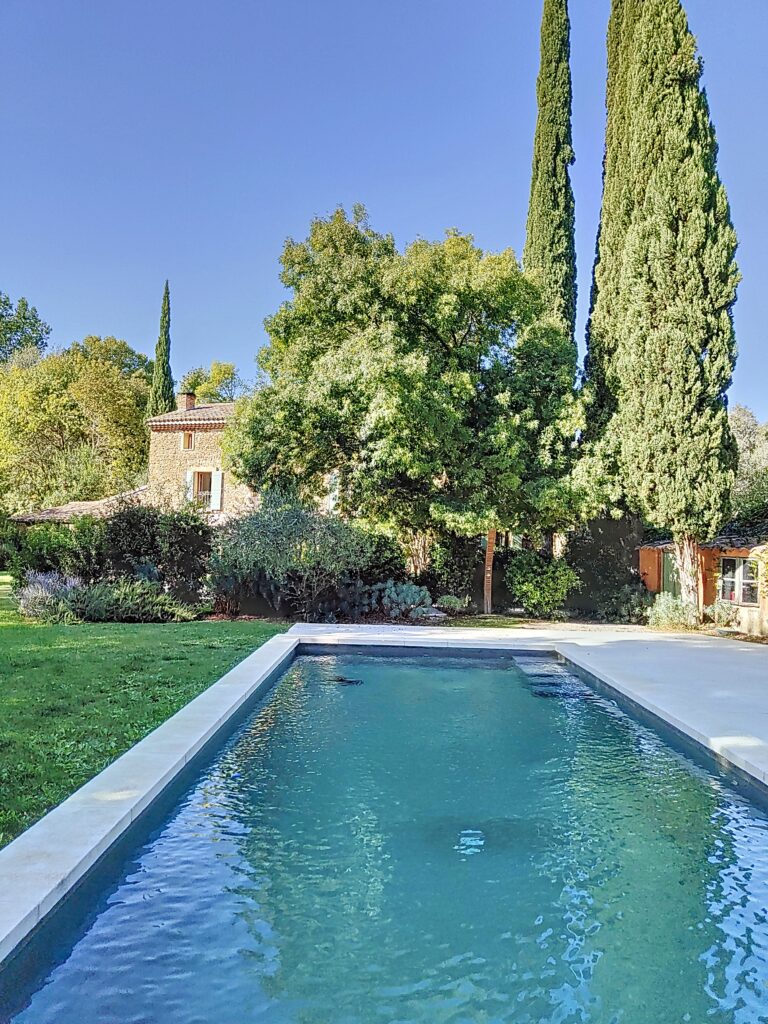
<point>215,413</point>
<point>732,537</point>
<point>100,508</point>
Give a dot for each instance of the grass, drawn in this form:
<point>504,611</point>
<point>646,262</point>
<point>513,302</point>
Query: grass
<point>488,621</point>
<point>73,698</point>
<point>8,613</point>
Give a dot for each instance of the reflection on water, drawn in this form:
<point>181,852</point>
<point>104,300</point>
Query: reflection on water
<point>449,842</point>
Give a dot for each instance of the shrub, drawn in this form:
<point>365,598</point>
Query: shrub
<point>398,600</point>
<point>42,595</point>
<point>721,613</point>
<point>451,605</point>
<point>10,541</point>
<point>131,538</point>
<point>171,547</point>
<point>85,553</point>
<point>126,600</point>
<point>76,550</point>
<point>669,612</point>
<point>384,560</point>
<point>420,613</point>
<point>299,559</point>
<point>540,583</point>
<point>603,552</point>
<point>184,540</point>
<point>53,597</point>
<point>41,548</point>
<point>628,603</point>
<point>453,561</point>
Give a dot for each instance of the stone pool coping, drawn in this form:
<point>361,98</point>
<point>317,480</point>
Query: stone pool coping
<point>713,691</point>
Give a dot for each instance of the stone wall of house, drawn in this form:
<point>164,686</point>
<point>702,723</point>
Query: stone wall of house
<point>169,464</point>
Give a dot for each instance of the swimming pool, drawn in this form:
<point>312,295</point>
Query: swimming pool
<point>418,839</point>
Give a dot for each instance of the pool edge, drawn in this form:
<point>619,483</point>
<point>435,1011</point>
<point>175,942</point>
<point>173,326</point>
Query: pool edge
<point>42,865</point>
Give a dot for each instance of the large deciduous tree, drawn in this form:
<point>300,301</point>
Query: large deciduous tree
<point>72,425</point>
<point>21,327</point>
<point>550,251</point>
<point>750,491</point>
<point>672,318</point>
<point>220,383</point>
<point>417,381</point>
<point>161,396</point>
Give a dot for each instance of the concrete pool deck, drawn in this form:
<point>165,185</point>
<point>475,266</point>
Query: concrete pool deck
<point>714,691</point>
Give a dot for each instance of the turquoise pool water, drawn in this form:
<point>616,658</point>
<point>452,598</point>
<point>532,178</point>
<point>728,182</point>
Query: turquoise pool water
<point>451,840</point>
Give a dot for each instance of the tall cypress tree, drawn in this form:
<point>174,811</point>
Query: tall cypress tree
<point>550,251</point>
<point>676,348</point>
<point>619,191</point>
<point>161,396</point>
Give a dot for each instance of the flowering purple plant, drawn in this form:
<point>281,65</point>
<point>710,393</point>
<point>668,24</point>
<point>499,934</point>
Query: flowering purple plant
<point>41,590</point>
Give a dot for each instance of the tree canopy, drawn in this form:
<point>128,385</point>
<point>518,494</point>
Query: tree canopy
<point>72,425</point>
<point>550,248</point>
<point>161,396</point>
<point>421,382</point>
<point>117,352</point>
<point>21,327</point>
<point>672,321</point>
<point>750,491</point>
<point>621,181</point>
<point>220,383</point>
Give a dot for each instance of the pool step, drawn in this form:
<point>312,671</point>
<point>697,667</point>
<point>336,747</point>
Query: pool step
<point>551,679</point>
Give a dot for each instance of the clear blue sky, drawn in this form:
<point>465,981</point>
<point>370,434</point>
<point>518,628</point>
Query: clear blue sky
<point>187,139</point>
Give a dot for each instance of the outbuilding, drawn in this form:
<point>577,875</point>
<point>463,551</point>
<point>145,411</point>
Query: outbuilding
<point>733,568</point>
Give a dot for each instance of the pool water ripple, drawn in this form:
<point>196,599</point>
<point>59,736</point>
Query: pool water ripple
<point>451,840</point>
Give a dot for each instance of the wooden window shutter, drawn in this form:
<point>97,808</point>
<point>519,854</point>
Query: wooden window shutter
<point>217,480</point>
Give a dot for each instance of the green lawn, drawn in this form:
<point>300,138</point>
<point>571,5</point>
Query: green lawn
<point>488,621</point>
<point>73,698</point>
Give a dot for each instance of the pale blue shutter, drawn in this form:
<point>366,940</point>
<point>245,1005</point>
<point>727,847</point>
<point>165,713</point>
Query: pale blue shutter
<point>217,479</point>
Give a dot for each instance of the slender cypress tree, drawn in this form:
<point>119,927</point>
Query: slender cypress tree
<point>676,348</point>
<point>161,396</point>
<point>550,251</point>
<point>619,191</point>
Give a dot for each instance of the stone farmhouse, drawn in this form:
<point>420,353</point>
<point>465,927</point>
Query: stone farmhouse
<point>185,464</point>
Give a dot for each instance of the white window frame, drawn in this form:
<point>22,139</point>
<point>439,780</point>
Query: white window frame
<point>203,497</point>
<point>739,581</point>
<point>190,434</point>
<point>209,501</point>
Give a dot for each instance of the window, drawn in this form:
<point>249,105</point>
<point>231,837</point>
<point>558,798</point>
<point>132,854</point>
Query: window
<point>206,487</point>
<point>749,579</point>
<point>188,441</point>
<point>202,488</point>
<point>738,580</point>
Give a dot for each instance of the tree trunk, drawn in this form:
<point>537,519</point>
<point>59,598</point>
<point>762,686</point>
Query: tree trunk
<point>419,546</point>
<point>559,545</point>
<point>488,576</point>
<point>687,558</point>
